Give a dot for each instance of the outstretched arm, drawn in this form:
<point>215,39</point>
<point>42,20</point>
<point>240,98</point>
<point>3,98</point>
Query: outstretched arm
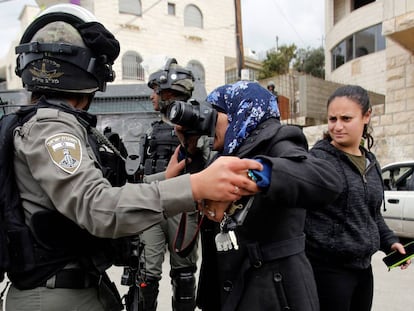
<point>225,179</point>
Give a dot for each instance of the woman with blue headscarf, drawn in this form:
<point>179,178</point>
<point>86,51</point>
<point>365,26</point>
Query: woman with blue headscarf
<point>264,266</point>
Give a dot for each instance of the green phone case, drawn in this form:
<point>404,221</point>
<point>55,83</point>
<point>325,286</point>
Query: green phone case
<point>395,259</point>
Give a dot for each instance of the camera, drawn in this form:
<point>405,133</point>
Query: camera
<point>197,118</point>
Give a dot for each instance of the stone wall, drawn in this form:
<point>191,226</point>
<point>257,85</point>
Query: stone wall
<point>395,128</point>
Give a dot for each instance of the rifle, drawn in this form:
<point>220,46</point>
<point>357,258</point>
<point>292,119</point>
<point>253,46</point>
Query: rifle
<point>130,249</point>
<point>133,277</point>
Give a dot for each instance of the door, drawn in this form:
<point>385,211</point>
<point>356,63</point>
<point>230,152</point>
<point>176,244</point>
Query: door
<point>399,198</point>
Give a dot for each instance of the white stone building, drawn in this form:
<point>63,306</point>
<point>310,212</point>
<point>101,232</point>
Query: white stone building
<point>371,43</point>
<point>199,34</point>
<point>354,46</point>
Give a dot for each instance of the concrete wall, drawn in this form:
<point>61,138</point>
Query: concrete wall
<point>309,95</point>
<point>313,94</point>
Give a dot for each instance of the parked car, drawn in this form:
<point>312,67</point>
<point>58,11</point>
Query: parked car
<point>399,197</point>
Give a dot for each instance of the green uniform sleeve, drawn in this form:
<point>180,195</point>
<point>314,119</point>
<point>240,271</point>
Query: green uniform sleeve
<point>70,181</point>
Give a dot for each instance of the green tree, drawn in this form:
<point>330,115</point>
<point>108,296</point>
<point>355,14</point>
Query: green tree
<point>277,62</point>
<point>310,61</point>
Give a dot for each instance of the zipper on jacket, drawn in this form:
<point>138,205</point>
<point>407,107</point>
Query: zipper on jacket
<point>364,176</point>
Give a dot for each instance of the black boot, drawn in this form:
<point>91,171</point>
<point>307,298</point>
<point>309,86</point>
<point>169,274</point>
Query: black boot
<point>183,281</point>
<point>150,294</point>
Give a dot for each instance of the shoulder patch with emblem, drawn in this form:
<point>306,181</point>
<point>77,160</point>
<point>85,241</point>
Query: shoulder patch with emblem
<point>65,151</point>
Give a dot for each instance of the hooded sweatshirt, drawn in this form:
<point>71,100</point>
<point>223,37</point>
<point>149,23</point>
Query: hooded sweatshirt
<point>348,231</point>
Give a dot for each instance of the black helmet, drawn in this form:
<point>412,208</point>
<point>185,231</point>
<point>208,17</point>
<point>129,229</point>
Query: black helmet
<point>66,50</point>
<point>173,77</point>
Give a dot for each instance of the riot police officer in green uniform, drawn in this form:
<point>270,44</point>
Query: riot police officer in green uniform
<point>172,83</point>
<point>72,213</point>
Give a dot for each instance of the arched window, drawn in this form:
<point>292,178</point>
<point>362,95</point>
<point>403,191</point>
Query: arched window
<point>199,74</point>
<point>130,7</point>
<point>131,66</point>
<point>198,70</point>
<point>193,16</point>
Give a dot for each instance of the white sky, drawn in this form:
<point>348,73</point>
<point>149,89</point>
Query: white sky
<point>9,23</point>
<point>299,22</point>
<point>293,21</point>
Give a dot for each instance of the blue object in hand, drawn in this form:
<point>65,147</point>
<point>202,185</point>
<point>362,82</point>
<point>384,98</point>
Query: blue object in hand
<point>262,178</point>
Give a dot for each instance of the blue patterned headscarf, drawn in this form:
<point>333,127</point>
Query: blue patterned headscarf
<point>247,104</point>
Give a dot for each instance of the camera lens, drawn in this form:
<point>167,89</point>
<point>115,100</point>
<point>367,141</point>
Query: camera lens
<point>198,118</point>
<point>183,114</point>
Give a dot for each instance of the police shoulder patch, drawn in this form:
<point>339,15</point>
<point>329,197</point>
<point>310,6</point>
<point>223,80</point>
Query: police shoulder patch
<point>65,151</point>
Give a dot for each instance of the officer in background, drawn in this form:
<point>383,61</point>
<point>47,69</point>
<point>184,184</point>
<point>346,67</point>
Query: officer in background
<point>169,84</point>
<point>271,88</point>
<point>72,211</point>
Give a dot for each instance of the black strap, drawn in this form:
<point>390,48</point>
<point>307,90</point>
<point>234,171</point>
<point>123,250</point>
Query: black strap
<point>196,165</point>
<point>179,247</point>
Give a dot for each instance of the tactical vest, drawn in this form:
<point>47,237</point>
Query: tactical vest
<point>160,147</point>
<point>54,240</point>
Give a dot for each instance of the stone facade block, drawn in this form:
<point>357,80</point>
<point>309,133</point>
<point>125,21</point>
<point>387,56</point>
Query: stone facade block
<point>397,106</point>
<point>400,94</point>
<point>396,129</point>
<point>396,84</point>
<point>409,93</point>
<point>379,132</point>
<point>409,71</point>
<point>396,73</point>
<point>403,117</point>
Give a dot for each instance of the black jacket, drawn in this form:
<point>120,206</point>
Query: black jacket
<point>351,229</point>
<point>271,239</point>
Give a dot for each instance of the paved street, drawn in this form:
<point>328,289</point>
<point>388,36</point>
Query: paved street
<point>393,289</point>
<point>164,298</point>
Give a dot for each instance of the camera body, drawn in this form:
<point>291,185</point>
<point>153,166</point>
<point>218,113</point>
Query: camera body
<point>197,118</point>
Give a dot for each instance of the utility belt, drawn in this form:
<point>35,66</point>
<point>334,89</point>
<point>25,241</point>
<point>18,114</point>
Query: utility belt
<point>71,278</point>
<point>76,278</point>
<point>258,255</point>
